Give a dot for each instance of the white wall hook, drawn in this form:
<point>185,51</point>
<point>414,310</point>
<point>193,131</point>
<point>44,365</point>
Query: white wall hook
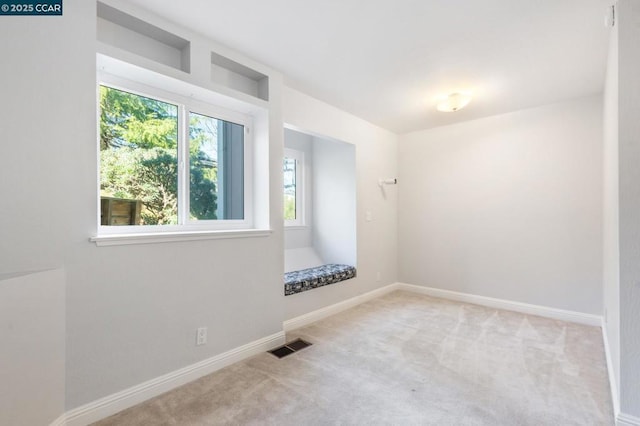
<point>392,181</point>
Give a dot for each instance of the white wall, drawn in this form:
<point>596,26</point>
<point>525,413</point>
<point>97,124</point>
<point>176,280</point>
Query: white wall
<point>611,252</point>
<point>47,117</point>
<point>334,200</point>
<point>376,151</point>
<point>512,210</point>
<point>47,167</point>
<point>629,204</point>
<point>131,311</point>
<point>32,348</point>
<point>507,206</point>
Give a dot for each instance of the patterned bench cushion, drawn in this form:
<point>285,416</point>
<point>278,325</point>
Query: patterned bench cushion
<point>306,279</point>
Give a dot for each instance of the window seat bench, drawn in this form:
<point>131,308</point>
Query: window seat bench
<point>307,279</point>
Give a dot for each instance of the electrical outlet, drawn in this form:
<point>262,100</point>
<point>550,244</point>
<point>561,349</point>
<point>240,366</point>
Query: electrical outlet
<point>378,276</point>
<point>201,336</point>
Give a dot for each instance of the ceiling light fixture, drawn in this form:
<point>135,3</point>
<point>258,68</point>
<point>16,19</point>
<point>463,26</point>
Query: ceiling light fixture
<point>454,102</point>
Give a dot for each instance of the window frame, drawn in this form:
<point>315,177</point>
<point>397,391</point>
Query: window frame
<point>298,156</point>
<point>186,104</point>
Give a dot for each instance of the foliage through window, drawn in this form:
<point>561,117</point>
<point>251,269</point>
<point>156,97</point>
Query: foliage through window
<point>289,188</point>
<point>293,187</point>
<point>156,171</point>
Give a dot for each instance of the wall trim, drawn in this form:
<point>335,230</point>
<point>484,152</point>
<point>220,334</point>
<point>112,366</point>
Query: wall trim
<point>111,404</point>
<point>104,407</point>
<point>327,311</point>
<point>60,421</point>
<point>623,419</point>
<point>615,400</point>
<point>525,308</point>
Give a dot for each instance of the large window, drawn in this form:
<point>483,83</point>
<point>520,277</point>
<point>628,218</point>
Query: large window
<point>170,163</point>
<point>293,187</point>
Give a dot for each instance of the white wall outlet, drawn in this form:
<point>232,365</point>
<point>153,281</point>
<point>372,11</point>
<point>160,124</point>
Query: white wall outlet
<point>368,216</point>
<point>201,336</point>
<point>378,276</point>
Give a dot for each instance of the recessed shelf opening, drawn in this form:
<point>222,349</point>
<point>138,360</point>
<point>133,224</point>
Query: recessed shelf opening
<point>134,35</point>
<point>234,75</point>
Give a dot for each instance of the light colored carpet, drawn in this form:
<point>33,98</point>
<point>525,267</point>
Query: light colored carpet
<point>406,359</point>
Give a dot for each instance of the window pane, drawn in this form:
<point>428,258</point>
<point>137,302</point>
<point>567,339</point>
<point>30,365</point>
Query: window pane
<point>216,169</point>
<point>289,189</point>
<point>138,159</point>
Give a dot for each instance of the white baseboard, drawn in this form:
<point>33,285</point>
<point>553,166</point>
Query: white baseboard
<point>119,401</point>
<point>612,377</point>
<point>104,407</point>
<point>543,311</point>
<point>623,419</point>
<point>327,311</point>
<point>60,421</point>
<point>509,305</point>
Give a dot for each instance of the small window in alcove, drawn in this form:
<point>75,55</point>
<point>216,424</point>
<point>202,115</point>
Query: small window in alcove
<point>293,174</point>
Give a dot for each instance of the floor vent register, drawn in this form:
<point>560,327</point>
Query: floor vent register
<point>289,348</point>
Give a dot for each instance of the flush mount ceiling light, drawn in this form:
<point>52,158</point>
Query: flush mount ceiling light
<point>453,102</point>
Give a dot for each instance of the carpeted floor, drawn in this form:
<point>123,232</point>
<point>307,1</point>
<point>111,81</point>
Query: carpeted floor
<point>406,359</point>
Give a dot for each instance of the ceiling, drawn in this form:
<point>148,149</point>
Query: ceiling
<point>387,61</point>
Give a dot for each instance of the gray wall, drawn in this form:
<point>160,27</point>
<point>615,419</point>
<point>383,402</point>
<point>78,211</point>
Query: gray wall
<point>375,157</point>
<point>611,240</point>
<point>515,181</point>
<point>334,201</point>
<point>32,348</point>
<point>629,213</point>
<point>48,187</point>
<point>622,208</point>
<point>507,206</point>
<point>47,113</point>
<point>131,311</point>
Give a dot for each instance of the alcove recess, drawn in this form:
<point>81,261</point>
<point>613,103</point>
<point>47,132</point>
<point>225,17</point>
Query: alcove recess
<point>234,75</point>
<point>123,31</point>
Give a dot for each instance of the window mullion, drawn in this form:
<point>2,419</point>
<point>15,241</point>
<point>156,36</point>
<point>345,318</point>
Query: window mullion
<point>183,166</point>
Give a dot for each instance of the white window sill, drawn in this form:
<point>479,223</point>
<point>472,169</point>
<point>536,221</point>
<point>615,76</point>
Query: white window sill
<point>295,227</point>
<point>168,237</point>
